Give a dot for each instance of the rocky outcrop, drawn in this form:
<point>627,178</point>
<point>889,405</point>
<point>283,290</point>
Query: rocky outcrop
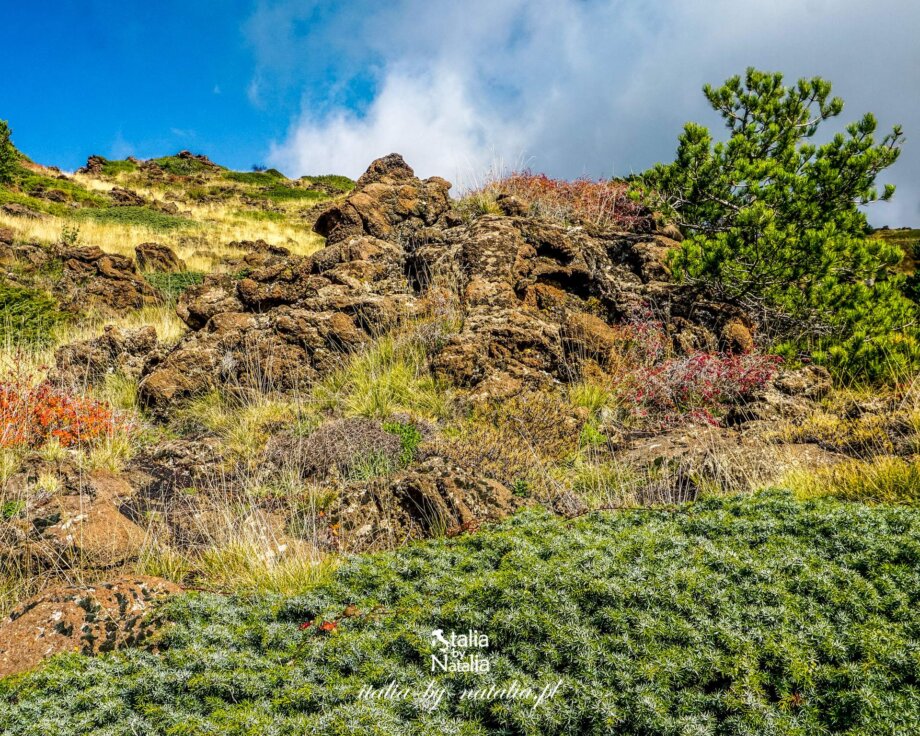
<point>388,203</point>
<point>92,278</point>
<point>157,257</point>
<point>80,524</point>
<point>536,298</point>
<point>126,198</point>
<point>430,499</point>
<point>18,210</point>
<point>90,619</point>
<point>87,362</point>
<point>94,166</point>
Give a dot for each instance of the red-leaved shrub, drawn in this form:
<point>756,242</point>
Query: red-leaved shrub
<point>33,414</point>
<point>661,389</point>
<point>603,203</point>
<point>701,385</point>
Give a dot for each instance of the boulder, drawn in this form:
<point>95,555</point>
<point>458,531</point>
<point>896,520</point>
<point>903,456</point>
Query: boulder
<point>18,210</point>
<point>126,198</point>
<point>387,202</point>
<point>432,499</point>
<point>157,257</point>
<point>89,619</point>
<point>87,362</point>
<point>83,524</point>
<point>92,278</point>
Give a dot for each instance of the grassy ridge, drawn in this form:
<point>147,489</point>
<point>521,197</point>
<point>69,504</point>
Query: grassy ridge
<point>741,616</point>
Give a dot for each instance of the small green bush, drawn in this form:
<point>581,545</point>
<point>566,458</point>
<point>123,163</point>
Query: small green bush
<point>728,616</point>
<point>141,216</point>
<point>27,316</point>
<point>173,285</point>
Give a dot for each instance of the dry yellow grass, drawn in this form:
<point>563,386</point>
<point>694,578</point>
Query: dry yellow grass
<point>201,247</point>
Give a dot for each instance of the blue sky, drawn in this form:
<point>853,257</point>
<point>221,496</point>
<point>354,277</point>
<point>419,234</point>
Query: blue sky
<point>142,78</point>
<point>570,87</point>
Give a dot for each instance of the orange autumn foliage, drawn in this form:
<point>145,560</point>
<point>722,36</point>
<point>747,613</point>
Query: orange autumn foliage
<point>32,415</point>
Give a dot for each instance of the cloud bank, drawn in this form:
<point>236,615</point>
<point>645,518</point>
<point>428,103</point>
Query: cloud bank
<point>569,87</point>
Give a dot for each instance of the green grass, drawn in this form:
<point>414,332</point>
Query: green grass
<point>120,166</point>
<point>141,216</point>
<point>283,192</point>
<point>262,178</point>
<point>732,616</point>
<point>8,196</point>
<point>342,183</point>
<point>33,183</point>
<point>882,480</point>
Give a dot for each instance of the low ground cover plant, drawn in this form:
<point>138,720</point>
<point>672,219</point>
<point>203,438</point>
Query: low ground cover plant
<point>750,616</point>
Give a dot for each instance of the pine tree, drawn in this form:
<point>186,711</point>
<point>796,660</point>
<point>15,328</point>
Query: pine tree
<point>773,221</point>
<point>9,156</point>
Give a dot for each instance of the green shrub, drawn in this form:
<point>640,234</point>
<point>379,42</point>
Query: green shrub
<point>27,316</point>
<point>173,285</point>
<point>775,223</point>
<point>741,616</point>
<point>140,216</point>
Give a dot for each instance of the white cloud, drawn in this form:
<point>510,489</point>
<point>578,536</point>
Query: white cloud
<point>594,87</point>
<point>429,118</point>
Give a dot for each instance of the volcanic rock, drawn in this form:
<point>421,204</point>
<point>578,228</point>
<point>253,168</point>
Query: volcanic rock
<point>86,362</point>
<point>93,278</point>
<point>157,257</point>
<point>90,619</point>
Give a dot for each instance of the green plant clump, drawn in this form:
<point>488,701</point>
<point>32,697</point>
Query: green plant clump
<point>184,166</point>
<point>173,285</point>
<point>118,166</point>
<point>409,439</point>
<point>264,178</point>
<point>27,316</point>
<point>729,616</point>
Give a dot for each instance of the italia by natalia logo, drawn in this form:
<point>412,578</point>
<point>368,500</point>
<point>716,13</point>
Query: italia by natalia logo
<point>454,651</point>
